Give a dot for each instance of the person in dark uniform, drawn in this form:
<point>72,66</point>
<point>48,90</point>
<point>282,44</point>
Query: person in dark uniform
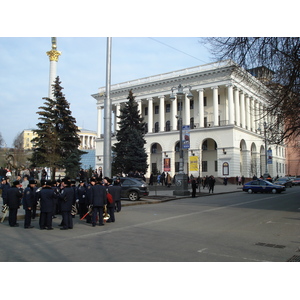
<point>89,195</point>
<point>117,200</point>
<point>194,187</point>
<point>14,195</point>
<point>81,198</point>
<point>67,198</point>
<point>211,184</point>
<point>115,191</point>
<point>47,198</point>
<point>98,200</point>
<point>4,186</point>
<point>29,200</point>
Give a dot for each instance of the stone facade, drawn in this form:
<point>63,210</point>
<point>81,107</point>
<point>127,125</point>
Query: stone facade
<point>225,116</point>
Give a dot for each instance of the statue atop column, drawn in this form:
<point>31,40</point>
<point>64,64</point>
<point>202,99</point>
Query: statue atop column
<point>53,54</point>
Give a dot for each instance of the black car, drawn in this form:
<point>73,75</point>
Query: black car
<point>262,186</point>
<point>133,188</point>
<point>286,181</point>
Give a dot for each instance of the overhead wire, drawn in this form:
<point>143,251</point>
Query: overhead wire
<point>176,49</point>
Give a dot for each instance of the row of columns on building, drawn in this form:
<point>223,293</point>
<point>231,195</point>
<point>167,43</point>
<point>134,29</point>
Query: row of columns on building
<point>87,141</point>
<point>242,110</point>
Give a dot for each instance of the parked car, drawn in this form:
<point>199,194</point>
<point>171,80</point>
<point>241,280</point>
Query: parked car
<point>286,181</point>
<point>133,188</point>
<point>262,186</point>
<point>296,181</point>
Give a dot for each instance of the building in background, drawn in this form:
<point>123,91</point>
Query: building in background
<point>223,122</point>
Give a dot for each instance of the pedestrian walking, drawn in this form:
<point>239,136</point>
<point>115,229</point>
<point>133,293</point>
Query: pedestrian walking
<point>211,184</point>
<point>194,187</point>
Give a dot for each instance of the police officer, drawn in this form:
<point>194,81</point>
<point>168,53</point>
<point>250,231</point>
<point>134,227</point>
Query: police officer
<point>14,195</point>
<point>4,186</point>
<point>98,200</point>
<point>89,195</point>
<point>66,201</point>
<point>81,198</point>
<point>117,199</point>
<point>115,191</point>
<point>47,198</point>
<point>29,200</point>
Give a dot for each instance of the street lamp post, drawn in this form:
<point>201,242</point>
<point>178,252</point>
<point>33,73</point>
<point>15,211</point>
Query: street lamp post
<point>266,151</point>
<point>181,183</point>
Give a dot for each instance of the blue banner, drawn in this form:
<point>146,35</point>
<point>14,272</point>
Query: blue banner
<point>270,156</point>
<point>186,136</point>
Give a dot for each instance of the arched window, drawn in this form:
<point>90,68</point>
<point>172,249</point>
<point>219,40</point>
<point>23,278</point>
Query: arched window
<point>154,148</point>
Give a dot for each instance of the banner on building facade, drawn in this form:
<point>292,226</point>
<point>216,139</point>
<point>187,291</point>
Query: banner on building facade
<point>167,164</point>
<point>270,156</point>
<point>186,136</point>
<point>194,163</point>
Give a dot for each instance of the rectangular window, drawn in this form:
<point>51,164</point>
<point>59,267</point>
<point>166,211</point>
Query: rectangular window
<point>156,109</point>
<point>146,111</point>
<point>192,104</point>
<point>205,101</point>
<point>168,108</point>
<point>204,166</point>
<point>216,166</point>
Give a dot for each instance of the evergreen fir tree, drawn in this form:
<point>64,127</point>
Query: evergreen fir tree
<point>57,138</point>
<point>129,152</point>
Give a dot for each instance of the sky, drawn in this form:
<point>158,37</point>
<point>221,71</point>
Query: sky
<point>146,40</point>
<point>24,72</point>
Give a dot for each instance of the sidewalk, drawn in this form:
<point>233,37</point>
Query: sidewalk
<point>157,194</point>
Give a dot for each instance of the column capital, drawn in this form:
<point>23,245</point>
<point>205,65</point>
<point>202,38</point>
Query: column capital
<point>161,96</point>
<point>200,90</point>
<point>214,87</point>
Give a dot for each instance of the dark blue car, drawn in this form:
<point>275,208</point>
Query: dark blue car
<point>262,186</point>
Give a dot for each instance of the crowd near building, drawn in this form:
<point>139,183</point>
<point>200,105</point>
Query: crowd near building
<point>224,122</point>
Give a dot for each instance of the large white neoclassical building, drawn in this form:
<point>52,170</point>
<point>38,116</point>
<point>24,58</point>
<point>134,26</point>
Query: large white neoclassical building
<point>225,118</point>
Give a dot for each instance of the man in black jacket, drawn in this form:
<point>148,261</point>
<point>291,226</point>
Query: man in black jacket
<point>67,199</point>
<point>98,200</point>
<point>47,198</point>
<point>14,195</point>
<point>29,201</point>
<point>115,191</point>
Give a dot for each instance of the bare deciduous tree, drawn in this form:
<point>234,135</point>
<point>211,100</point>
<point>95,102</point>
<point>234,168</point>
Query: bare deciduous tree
<point>280,55</point>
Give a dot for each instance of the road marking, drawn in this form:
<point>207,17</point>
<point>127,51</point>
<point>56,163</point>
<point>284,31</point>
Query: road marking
<point>124,228</point>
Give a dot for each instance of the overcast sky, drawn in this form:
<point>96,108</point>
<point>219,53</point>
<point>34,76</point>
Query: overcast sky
<point>24,73</point>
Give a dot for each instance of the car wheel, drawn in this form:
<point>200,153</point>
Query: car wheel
<point>274,191</point>
<point>133,196</point>
<point>250,191</point>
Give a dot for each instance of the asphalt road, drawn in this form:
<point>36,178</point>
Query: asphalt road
<point>237,227</point>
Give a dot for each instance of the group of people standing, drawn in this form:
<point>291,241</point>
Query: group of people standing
<point>93,201</point>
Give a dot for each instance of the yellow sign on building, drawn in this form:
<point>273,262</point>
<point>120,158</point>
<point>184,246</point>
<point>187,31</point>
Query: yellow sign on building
<point>194,164</point>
